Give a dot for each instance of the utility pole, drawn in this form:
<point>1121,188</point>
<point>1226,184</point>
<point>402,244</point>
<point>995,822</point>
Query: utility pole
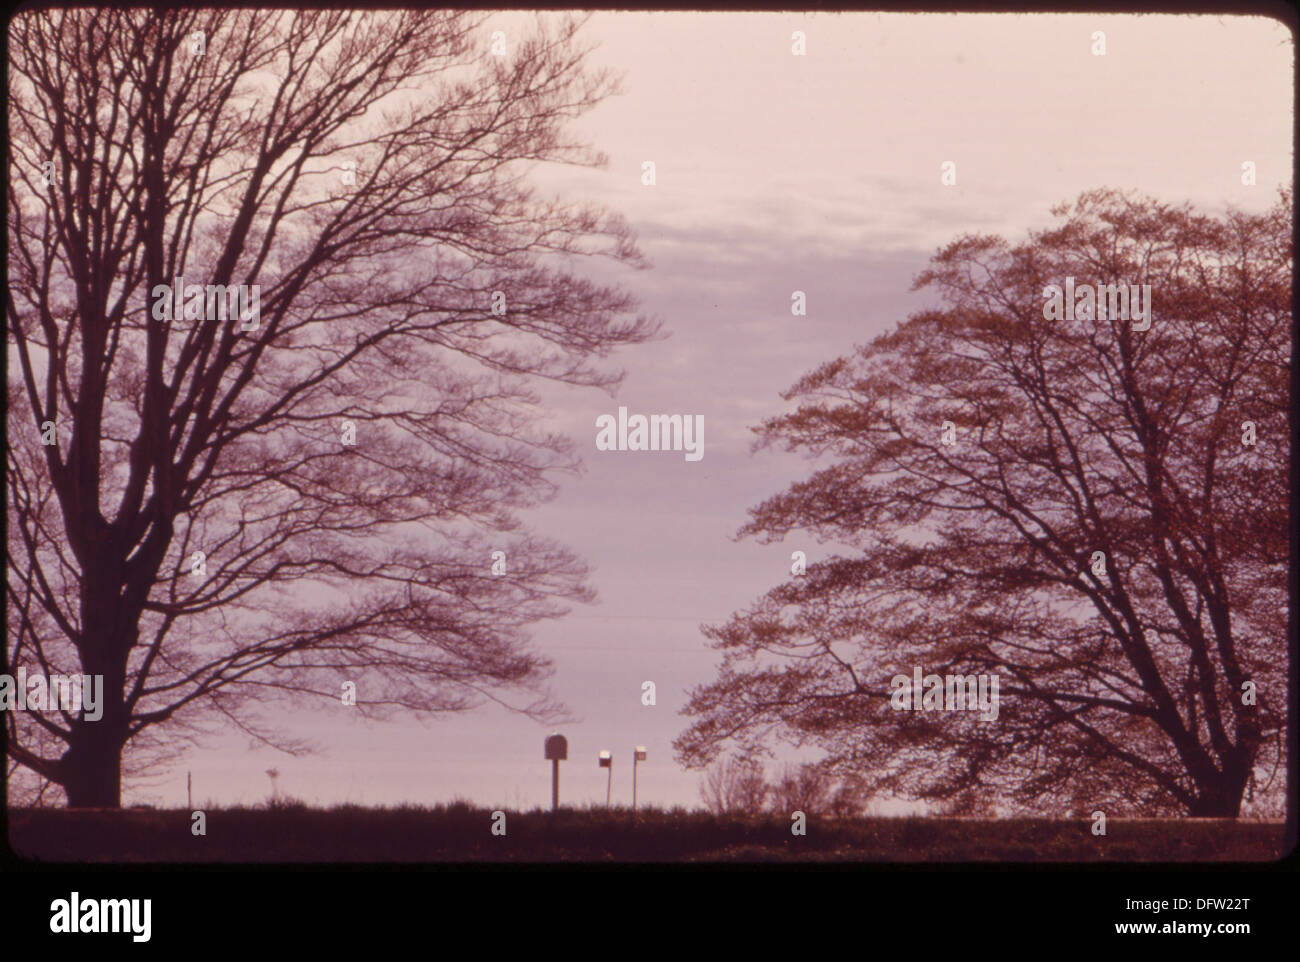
<point>607,761</point>
<point>637,756</point>
<point>557,750</point>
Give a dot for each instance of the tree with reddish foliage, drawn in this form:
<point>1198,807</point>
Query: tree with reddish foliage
<point>1106,533</point>
<point>231,508</point>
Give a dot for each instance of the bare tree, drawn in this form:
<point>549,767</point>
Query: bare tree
<point>1092,512</point>
<point>735,785</point>
<point>209,506</point>
<point>849,797</point>
<point>803,788</point>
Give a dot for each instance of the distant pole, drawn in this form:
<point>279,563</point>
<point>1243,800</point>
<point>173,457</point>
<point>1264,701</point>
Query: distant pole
<point>637,756</point>
<point>189,788</point>
<point>557,750</point>
<point>606,760</point>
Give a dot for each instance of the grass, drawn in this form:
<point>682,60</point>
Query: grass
<point>461,832</point>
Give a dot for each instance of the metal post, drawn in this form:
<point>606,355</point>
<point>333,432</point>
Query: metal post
<point>606,760</point>
<point>556,749</point>
<point>189,789</point>
<point>638,755</point>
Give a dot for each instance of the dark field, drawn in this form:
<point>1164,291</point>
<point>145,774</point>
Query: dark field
<point>460,833</point>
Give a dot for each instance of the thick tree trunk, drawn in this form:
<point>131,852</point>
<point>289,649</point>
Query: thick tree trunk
<point>92,766</point>
<point>1216,807</point>
<point>1222,797</point>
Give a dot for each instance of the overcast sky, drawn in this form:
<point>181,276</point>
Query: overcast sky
<point>777,173</point>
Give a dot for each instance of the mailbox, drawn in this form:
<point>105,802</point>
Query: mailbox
<point>640,753</point>
<point>557,748</point>
<point>605,760</point>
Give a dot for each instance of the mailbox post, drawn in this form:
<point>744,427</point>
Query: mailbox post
<point>637,756</point>
<point>607,761</point>
<point>557,750</point>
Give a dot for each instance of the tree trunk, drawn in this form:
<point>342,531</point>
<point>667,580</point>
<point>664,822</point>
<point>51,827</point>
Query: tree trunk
<point>92,765</point>
<point>1221,798</point>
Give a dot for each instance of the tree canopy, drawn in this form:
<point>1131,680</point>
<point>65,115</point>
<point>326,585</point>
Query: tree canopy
<point>1105,532</point>
<point>209,509</point>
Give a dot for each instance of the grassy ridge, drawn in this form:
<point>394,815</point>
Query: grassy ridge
<point>462,833</point>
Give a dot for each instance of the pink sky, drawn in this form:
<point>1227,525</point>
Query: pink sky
<point>778,173</point>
